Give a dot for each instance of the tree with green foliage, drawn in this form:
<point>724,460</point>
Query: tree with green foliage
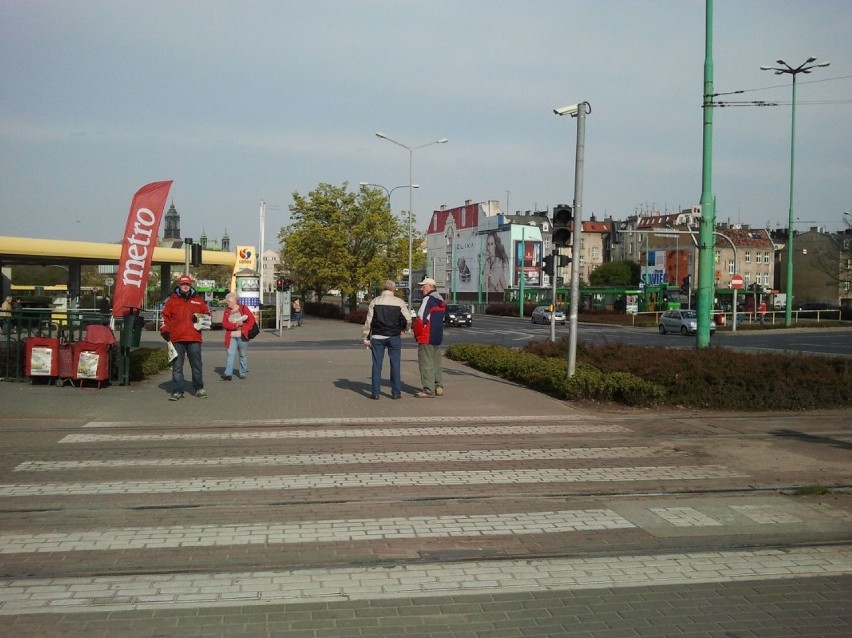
<point>615,273</point>
<point>341,239</point>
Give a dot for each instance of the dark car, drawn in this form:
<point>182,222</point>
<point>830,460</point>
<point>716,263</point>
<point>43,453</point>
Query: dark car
<point>457,315</point>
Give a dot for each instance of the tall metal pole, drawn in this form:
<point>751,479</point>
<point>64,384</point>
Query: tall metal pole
<point>411,187</point>
<point>555,253</point>
<point>785,69</point>
<point>410,212</point>
<point>584,108</point>
<point>260,248</point>
<point>788,307</point>
<point>707,223</point>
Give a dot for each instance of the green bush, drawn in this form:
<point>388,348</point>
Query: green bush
<point>549,375</point>
<point>712,378</point>
<point>146,362</point>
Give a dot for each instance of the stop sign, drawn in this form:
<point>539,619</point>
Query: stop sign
<point>737,282</point>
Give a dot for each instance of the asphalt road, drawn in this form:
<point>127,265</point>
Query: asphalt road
<point>513,331</point>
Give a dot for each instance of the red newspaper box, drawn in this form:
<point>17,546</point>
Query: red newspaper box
<point>91,362</point>
<point>42,357</point>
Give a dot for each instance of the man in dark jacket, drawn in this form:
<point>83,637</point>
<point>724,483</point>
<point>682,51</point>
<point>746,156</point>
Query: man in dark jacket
<point>429,332</point>
<point>183,317</point>
<point>388,318</point>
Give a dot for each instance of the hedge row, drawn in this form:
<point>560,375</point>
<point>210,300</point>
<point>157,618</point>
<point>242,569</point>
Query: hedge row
<point>549,375</point>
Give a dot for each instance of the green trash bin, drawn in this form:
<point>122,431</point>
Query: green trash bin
<point>131,330</point>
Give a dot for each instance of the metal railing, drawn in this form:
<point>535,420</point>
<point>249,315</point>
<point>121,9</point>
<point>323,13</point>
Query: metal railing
<point>67,326</point>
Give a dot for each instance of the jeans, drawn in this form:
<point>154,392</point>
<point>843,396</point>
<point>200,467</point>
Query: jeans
<point>429,360</point>
<point>297,318</point>
<point>237,345</point>
<point>393,345</point>
<point>192,351</point>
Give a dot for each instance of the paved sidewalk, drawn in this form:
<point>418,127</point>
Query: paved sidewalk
<point>320,370</point>
<point>292,504</point>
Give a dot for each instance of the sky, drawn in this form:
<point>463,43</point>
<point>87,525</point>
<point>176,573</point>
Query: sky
<point>243,101</point>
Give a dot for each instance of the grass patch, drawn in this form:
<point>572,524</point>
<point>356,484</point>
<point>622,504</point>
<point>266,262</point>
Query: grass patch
<point>811,490</point>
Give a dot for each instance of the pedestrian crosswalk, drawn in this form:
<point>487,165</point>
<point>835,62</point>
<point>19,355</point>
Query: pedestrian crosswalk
<point>311,498</point>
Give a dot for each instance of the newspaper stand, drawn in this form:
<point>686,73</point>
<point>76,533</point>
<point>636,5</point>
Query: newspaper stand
<point>91,359</point>
<point>91,362</point>
<point>42,358</point>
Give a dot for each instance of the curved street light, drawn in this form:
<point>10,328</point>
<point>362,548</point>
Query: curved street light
<point>389,193</point>
<point>410,150</point>
<point>785,69</point>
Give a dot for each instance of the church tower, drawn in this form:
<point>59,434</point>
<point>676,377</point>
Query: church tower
<point>226,242</point>
<point>172,230</point>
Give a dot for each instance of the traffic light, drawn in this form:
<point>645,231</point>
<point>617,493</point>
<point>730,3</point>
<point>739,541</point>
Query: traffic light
<point>564,260</point>
<point>279,284</point>
<point>286,285</point>
<point>547,265</point>
<point>686,284</point>
<point>195,255</point>
<point>563,221</point>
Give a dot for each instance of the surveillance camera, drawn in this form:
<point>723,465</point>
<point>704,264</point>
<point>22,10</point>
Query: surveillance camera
<point>573,109</point>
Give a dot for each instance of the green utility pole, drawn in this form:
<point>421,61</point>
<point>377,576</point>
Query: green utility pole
<point>706,238</point>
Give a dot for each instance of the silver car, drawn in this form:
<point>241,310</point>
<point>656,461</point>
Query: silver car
<point>541,314</point>
<point>683,321</point>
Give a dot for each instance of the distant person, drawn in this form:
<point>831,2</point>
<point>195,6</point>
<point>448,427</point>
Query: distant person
<point>182,322</point>
<point>105,308</point>
<point>761,311</point>
<point>496,266</point>
<point>429,333</point>
<point>388,318</point>
<point>6,315</point>
<point>297,312</point>
<point>236,322</point>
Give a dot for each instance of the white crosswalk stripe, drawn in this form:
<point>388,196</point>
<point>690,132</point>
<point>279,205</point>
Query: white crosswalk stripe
<point>314,531</point>
<point>349,433</point>
<point>440,456</point>
<point>188,590</point>
<point>381,479</point>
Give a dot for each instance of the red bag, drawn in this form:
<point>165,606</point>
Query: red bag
<point>421,331</point>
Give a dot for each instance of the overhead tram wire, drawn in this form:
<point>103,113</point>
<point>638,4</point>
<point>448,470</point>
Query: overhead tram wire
<point>721,104</point>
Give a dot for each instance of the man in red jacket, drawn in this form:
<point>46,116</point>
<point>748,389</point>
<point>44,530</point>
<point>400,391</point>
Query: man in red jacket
<point>183,319</point>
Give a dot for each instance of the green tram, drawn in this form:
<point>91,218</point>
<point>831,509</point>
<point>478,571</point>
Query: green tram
<point>622,299</point>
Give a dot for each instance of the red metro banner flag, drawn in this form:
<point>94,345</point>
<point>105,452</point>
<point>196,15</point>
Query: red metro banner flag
<point>138,242</point>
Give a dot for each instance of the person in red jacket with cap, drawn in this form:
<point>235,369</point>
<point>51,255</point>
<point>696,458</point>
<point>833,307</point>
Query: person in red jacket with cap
<point>184,316</point>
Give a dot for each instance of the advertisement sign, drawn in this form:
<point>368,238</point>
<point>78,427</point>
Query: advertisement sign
<point>138,243</point>
<point>246,258</point>
<point>528,262</point>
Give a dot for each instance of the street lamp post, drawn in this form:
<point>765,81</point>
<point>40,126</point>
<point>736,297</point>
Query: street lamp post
<point>785,69</point>
<point>410,150</point>
<point>389,193</point>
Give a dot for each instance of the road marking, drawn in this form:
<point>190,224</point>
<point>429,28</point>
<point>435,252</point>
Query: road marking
<point>360,458</point>
<point>766,514</point>
<point>684,517</point>
<point>574,416</point>
<point>381,479</point>
<point>104,594</point>
<point>320,531</point>
<point>365,433</point>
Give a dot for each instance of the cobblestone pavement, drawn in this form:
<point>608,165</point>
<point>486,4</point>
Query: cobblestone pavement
<point>288,505</point>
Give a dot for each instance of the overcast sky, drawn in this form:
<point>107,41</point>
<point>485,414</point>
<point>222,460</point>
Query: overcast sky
<point>242,101</point>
